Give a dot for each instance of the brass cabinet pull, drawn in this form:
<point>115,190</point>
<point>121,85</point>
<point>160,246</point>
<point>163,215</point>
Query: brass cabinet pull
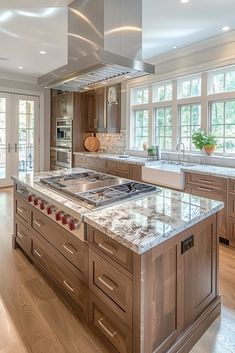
<point>110,249</point>
<point>38,223</point>
<point>20,235</point>
<point>21,209</point>
<point>110,286</point>
<point>205,189</point>
<point>38,253</point>
<point>111,334</point>
<point>68,286</point>
<point>70,248</point>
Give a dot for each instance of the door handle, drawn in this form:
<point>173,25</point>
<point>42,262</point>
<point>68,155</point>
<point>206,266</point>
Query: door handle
<point>9,148</point>
<point>16,147</point>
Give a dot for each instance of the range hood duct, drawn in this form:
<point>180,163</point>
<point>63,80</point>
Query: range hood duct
<point>104,42</point>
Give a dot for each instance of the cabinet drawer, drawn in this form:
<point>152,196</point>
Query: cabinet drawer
<point>208,182</point>
<point>110,247</point>
<point>119,168</point>
<point>231,186</point>
<point>105,323</point>
<point>208,192</point>
<point>79,161</point>
<point>61,270</point>
<point>96,163</point>
<point>22,209</point>
<point>23,237</point>
<point>110,284</point>
<point>72,248</point>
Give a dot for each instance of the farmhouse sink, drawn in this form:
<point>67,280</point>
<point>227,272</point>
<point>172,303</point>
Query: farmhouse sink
<point>165,173</point>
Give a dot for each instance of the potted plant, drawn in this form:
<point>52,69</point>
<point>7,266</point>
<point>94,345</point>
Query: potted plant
<point>201,141</point>
<point>209,144</point>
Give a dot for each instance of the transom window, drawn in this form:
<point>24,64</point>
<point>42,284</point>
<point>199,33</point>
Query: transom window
<point>190,121</point>
<point>162,92</point>
<point>140,129</point>
<point>222,125</point>
<point>163,127</point>
<point>189,87</point>
<point>140,95</point>
<point>222,81</point>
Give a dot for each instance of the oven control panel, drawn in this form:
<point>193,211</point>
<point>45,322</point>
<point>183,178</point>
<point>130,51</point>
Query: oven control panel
<point>59,216</point>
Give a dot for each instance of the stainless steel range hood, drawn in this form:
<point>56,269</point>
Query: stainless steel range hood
<point>104,43</point>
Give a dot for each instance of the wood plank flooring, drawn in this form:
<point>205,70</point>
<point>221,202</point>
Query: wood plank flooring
<point>35,319</point>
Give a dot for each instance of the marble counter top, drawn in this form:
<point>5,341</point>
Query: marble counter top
<point>212,170</point>
<point>130,159</point>
<point>138,224</point>
<point>141,224</point>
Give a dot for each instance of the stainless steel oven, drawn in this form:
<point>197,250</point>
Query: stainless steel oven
<point>61,157</point>
<point>64,133</point>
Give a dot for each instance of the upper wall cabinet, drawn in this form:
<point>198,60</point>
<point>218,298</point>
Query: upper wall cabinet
<point>63,104</point>
<point>104,109</point>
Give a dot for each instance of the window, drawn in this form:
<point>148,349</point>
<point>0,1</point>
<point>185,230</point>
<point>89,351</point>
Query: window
<point>222,81</point>
<point>189,87</point>
<point>163,127</point>
<point>162,92</point>
<point>222,125</point>
<point>190,121</point>
<point>140,128</point>
<point>140,95</point>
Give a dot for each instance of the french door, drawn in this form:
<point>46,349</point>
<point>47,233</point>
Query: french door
<point>19,135</point>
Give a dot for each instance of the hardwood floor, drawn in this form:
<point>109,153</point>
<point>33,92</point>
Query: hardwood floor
<point>35,319</point>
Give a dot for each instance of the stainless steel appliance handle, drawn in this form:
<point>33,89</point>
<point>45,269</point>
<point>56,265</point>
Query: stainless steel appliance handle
<point>16,147</point>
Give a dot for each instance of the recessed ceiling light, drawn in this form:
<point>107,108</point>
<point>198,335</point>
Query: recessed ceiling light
<point>20,67</point>
<point>184,1</point>
<point>174,47</point>
<point>226,28</point>
<point>43,52</point>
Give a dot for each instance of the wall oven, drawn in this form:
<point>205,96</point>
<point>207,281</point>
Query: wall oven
<point>64,133</point>
<point>61,157</point>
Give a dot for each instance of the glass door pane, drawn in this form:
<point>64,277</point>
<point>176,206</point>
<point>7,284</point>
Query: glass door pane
<point>26,113</point>
<point>5,147</point>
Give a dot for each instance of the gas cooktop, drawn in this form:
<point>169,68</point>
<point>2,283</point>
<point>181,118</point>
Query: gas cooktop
<point>97,189</point>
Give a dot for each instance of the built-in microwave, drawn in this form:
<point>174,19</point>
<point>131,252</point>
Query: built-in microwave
<point>64,133</point>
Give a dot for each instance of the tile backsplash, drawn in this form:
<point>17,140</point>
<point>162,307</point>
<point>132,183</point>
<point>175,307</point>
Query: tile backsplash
<point>112,142</point>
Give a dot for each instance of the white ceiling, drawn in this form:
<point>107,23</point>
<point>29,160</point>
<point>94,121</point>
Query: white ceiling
<point>25,31</point>
<point>168,23</point>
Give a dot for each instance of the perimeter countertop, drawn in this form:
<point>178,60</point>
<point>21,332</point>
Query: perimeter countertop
<point>212,170</point>
<point>139,224</point>
<point>130,159</point>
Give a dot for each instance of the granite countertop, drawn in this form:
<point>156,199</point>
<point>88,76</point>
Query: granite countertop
<point>138,224</point>
<point>141,224</point>
<point>212,170</point>
<point>130,159</point>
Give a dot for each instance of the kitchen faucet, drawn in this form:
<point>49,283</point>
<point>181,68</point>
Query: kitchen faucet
<point>178,148</point>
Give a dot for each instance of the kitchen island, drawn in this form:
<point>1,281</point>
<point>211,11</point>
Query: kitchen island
<point>142,273</point>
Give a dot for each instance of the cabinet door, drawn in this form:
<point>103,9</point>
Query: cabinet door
<point>100,123</point>
<point>61,106</point>
<point>91,111</point>
<point>69,104</point>
<point>54,116</point>
<point>114,108</point>
<point>136,172</point>
<point>200,270</point>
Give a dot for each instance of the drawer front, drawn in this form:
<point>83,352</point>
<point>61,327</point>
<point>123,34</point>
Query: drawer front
<point>231,186</point>
<point>22,208</point>
<point>79,161</point>
<point>21,191</point>
<point>207,191</point>
<point>23,237</point>
<point>111,285</point>
<point>110,247</point>
<point>61,271</point>
<point>72,248</point>
<point>96,163</point>
<point>119,168</point>
<point>208,182</point>
<point>106,324</point>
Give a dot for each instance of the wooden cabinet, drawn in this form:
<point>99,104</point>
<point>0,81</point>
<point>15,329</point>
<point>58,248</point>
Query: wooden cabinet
<point>104,115</point>
<point>22,235</point>
<point>118,168</point>
<point>212,188</point>
<point>231,211</point>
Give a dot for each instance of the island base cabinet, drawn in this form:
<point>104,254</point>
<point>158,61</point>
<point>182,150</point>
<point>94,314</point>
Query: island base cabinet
<point>177,283</point>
